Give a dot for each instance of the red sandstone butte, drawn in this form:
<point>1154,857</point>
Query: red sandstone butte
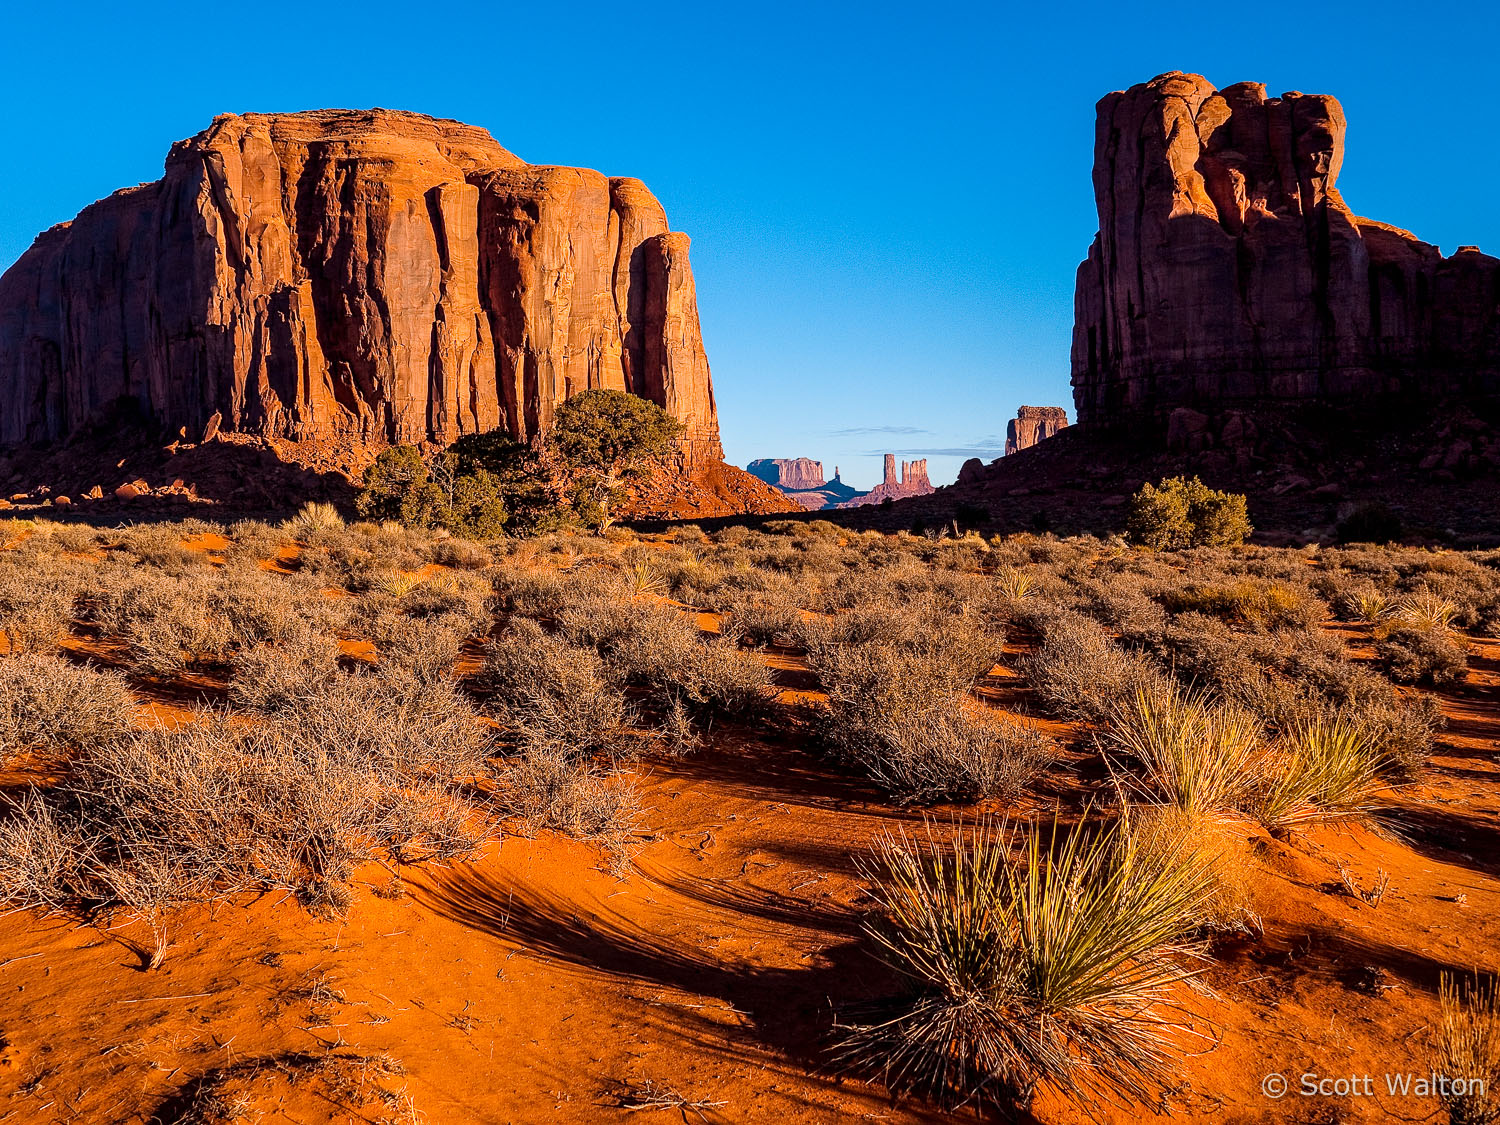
<point>361,276</point>
<point>1033,424</point>
<point>1228,269</point>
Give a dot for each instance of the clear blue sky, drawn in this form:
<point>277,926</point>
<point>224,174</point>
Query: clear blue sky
<point>887,201</point>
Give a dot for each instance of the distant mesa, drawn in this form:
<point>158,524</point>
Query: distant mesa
<point>1033,424</point>
<point>801,479</point>
<point>912,482</point>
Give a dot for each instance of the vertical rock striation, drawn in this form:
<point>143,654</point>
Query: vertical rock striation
<point>1033,424</point>
<point>1228,269</point>
<point>357,276</point>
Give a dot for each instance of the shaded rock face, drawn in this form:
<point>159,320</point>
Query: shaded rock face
<point>360,276</point>
<point>788,473</point>
<point>1228,269</point>
<point>1033,424</point>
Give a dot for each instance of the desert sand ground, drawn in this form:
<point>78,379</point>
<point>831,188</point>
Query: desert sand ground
<point>698,971</point>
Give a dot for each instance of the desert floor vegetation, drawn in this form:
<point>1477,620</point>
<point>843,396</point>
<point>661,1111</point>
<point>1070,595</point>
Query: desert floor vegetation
<point>1003,823</point>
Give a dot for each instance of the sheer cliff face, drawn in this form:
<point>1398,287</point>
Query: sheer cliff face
<point>1228,269</point>
<point>356,276</point>
<point>1033,424</point>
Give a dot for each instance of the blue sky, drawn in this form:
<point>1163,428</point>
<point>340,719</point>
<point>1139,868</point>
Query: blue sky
<point>887,201</point>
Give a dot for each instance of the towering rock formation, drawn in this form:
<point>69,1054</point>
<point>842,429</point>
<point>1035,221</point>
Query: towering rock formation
<point>359,276</point>
<point>790,474</point>
<point>1033,424</point>
<point>1227,268</point>
<point>912,482</point>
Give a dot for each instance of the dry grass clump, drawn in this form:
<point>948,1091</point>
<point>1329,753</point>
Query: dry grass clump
<point>50,704</point>
<point>1468,1052</point>
<point>1325,766</point>
<point>1215,844</point>
<point>1194,754</point>
<point>313,519</point>
<point>1058,970</point>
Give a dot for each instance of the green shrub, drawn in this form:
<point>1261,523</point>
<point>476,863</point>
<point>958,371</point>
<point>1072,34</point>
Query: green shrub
<point>1186,513</point>
<point>606,438</point>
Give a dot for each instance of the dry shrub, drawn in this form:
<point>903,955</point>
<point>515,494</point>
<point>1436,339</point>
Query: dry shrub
<point>660,650</point>
<point>1057,971</point>
<point>37,605</point>
<point>425,650</point>
<point>1255,603</point>
<point>47,703</point>
<point>276,678</point>
<point>906,722</point>
<point>1412,654</point>
<point>548,788</point>
<point>1079,670</point>
<point>460,554</point>
<point>1468,1053</point>
<point>365,767</point>
<point>553,693</point>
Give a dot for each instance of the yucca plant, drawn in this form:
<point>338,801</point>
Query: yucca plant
<point>1015,582</point>
<point>1196,755</point>
<point>398,583</point>
<point>1468,1054</point>
<point>1426,610</point>
<point>314,517</point>
<point>1372,606</point>
<point>1329,767</point>
<point>1058,971</point>
<point>645,580</point>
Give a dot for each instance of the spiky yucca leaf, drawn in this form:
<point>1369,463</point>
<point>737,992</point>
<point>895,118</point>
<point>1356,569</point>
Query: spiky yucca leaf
<point>1330,767</point>
<point>1015,582</point>
<point>1195,754</point>
<point>1055,971</point>
<point>644,580</point>
<point>1426,610</point>
<point>398,583</point>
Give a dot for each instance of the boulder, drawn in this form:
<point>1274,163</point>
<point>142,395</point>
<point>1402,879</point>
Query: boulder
<point>971,471</point>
